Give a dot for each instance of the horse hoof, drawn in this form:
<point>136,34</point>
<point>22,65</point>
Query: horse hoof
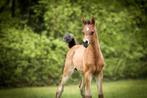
<point>88,96</point>
<point>101,96</point>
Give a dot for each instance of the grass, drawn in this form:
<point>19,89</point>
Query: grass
<point>117,89</point>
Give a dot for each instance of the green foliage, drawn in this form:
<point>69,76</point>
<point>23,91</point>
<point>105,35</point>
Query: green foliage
<point>28,58</point>
<point>32,51</point>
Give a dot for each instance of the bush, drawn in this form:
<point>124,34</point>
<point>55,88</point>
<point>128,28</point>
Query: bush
<point>27,58</point>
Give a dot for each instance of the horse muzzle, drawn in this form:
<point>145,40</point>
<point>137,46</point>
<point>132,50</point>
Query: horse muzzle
<point>85,43</point>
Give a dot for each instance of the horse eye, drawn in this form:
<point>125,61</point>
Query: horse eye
<point>91,33</point>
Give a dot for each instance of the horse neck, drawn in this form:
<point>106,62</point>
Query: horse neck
<point>96,46</point>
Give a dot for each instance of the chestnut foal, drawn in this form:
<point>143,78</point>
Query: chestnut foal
<point>86,58</point>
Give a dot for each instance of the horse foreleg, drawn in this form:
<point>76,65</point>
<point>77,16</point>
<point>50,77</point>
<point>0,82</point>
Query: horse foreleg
<point>66,74</point>
<point>99,79</point>
<point>88,78</point>
<point>81,86</point>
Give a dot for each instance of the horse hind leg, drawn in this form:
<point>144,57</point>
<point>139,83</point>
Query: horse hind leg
<point>81,86</point>
<point>66,74</point>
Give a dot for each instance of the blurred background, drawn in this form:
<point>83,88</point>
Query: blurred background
<point>32,50</point>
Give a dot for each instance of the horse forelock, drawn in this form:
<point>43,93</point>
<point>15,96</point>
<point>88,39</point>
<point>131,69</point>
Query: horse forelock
<point>87,22</point>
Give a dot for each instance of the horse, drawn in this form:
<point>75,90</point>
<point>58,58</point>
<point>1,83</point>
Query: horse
<point>86,58</point>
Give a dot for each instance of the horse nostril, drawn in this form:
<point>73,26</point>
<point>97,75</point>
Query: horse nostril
<point>86,41</point>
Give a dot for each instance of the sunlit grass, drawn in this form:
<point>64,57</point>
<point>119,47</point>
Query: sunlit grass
<point>117,89</point>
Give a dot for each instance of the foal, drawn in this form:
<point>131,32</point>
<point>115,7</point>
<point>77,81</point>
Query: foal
<point>86,58</point>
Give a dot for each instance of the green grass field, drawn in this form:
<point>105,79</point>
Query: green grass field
<point>117,89</point>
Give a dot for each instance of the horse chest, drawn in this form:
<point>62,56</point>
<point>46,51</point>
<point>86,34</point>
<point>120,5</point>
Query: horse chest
<point>93,61</point>
<point>90,59</point>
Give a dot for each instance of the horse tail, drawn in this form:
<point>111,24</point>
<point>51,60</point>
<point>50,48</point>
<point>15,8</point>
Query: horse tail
<point>68,38</point>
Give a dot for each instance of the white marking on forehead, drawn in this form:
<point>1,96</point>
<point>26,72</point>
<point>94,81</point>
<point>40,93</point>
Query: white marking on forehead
<point>87,29</point>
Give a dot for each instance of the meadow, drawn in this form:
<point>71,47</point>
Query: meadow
<point>112,89</point>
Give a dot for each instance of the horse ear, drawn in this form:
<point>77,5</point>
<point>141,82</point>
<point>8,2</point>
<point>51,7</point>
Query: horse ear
<point>93,20</point>
<point>83,20</point>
